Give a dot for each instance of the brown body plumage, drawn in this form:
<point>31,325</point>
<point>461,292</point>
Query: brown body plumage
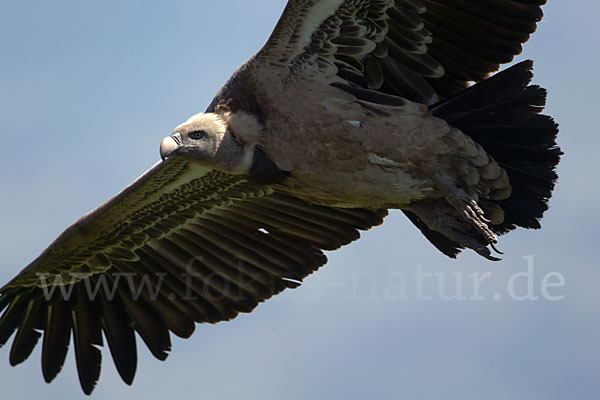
<point>352,107</point>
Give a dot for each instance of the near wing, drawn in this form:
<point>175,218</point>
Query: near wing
<point>180,245</point>
<point>422,50</point>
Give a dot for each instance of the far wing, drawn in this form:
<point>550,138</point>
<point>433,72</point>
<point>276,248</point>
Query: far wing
<point>181,245</point>
<point>422,50</point>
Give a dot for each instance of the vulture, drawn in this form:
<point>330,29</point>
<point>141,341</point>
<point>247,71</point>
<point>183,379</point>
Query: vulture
<point>351,108</point>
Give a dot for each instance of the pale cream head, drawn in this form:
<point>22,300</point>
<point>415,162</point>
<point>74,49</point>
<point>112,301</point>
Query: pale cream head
<point>206,138</point>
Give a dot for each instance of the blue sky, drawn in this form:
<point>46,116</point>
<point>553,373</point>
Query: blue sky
<point>88,90</point>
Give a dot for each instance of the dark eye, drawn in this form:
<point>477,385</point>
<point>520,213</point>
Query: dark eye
<point>197,135</point>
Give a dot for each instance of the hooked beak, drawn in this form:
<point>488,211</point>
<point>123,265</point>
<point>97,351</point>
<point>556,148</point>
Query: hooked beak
<point>169,145</point>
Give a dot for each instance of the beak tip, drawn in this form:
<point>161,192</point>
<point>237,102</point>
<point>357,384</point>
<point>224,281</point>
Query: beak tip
<point>167,146</point>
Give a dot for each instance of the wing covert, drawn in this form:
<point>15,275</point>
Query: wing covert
<point>422,50</point>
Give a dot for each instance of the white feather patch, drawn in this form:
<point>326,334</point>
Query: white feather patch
<point>385,162</point>
<point>357,124</point>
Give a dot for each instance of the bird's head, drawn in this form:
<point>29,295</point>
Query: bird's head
<point>212,139</point>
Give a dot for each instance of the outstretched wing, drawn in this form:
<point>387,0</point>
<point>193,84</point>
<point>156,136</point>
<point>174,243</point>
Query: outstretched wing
<point>423,50</point>
<point>182,244</point>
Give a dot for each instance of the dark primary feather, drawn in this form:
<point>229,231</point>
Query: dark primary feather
<point>27,336</point>
<point>119,334</point>
<point>57,335</point>
<point>87,338</point>
<point>11,317</point>
<point>471,38</point>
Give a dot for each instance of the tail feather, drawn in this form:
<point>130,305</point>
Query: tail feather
<point>502,114</point>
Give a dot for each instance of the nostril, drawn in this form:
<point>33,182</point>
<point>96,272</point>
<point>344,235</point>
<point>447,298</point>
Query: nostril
<point>177,138</point>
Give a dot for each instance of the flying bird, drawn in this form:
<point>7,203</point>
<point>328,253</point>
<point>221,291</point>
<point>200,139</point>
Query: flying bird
<point>351,108</point>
